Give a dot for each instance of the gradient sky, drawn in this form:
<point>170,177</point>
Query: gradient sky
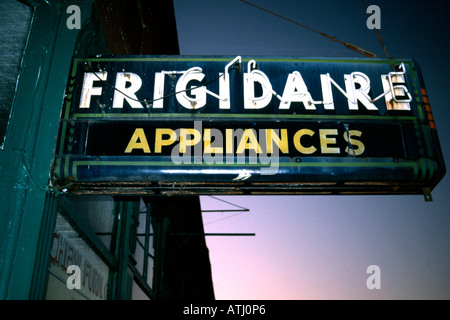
<point>319,247</point>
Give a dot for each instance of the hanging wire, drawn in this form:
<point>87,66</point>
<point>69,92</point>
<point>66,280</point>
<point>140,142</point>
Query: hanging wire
<point>230,203</point>
<point>221,219</point>
<point>240,211</point>
<point>378,34</point>
<point>332,38</point>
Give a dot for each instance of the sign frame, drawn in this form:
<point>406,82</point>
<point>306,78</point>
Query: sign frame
<point>418,171</point>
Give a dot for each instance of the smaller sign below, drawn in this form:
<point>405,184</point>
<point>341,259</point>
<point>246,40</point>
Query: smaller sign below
<point>75,271</point>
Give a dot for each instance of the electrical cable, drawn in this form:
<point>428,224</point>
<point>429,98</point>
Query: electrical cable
<point>239,212</point>
<point>221,219</point>
<point>332,38</point>
<point>230,203</point>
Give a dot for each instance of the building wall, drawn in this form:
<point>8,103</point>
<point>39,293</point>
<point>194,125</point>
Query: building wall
<point>29,203</point>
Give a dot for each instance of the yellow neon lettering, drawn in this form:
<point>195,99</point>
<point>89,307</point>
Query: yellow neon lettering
<point>184,142</point>
<point>248,141</point>
<point>207,143</point>
<point>138,141</point>
<point>159,141</point>
<point>282,143</point>
<point>297,143</point>
<point>325,140</point>
<point>229,141</point>
<point>356,143</point>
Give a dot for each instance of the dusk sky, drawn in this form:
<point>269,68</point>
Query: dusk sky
<point>319,247</point>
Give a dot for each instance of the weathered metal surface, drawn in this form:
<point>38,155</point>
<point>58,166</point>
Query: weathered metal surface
<point>244,125</point>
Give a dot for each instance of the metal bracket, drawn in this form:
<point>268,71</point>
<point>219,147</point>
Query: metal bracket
<point>427,194</point>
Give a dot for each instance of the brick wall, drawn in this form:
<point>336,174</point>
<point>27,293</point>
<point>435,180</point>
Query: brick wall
<point>14,26</point>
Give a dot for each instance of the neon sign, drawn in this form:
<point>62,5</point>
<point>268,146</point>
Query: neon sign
<point>163,124</point>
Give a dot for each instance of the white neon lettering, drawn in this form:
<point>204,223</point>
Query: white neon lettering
<point>224,92</point>
<point>88,87</point>
<point>158,92</point>
<point>327,93</point>
<point>250,101</point>
<point>257,92</point>
<point>397,95</point>
<point>199,93</point>
<point>358,94</point>
<point>295,90</point>
<point>122,79</point>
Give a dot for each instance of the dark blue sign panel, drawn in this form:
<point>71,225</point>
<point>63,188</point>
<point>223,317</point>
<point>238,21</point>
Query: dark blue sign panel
<point>246,125</point>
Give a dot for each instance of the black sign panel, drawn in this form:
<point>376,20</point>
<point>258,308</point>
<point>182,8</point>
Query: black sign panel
<point>220,125</point>
<point>290,139</point>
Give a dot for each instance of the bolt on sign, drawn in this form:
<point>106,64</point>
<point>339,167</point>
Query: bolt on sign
<point>245,125</point>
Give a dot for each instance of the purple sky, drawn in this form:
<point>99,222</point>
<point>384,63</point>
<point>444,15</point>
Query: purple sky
<point>319,247</point>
